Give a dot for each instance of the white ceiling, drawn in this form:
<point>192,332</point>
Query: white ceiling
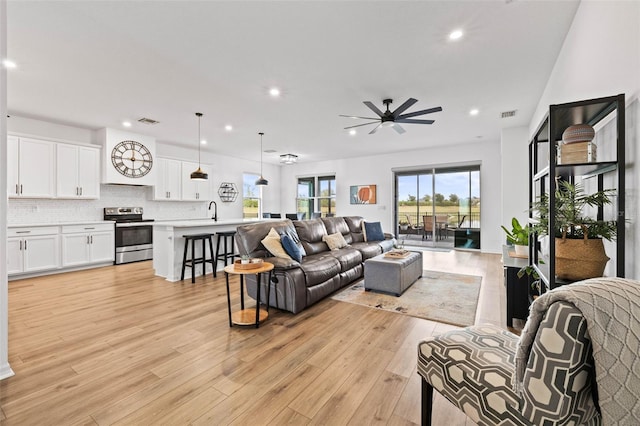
<point>94,64</point>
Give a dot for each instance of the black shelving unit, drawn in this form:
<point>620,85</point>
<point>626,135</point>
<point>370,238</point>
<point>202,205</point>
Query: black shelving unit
<point>543,171</point>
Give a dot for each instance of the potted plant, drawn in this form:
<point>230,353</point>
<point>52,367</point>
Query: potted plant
<point>245,259</point>
<point>579,251</point>
<point>404,225</point>
<point>518,236</point>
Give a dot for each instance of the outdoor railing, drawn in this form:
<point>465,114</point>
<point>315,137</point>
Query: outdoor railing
<point>454,220</point>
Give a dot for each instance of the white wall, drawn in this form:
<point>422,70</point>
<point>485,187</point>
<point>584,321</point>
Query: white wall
<point>601,57</point>
<point>378,170</point>
<point>514,145</point>
<point>5,369</point>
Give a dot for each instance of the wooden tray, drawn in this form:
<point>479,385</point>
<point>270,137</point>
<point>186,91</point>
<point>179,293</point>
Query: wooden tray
<point>397,254</point>
<point>253,265</point>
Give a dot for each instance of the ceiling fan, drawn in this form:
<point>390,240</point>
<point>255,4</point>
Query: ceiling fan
<point>391,119</point>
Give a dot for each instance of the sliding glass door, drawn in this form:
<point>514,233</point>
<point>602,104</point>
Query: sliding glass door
<point>439,207</point>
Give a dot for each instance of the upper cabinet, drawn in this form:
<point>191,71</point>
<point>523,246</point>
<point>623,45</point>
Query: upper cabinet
<point>77,171</point>
<point>193,190</point>
<point>169,181</point>
<point>30,168</point>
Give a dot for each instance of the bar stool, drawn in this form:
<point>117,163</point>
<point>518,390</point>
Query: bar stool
<point>196,260</point>
<point>229,251</point>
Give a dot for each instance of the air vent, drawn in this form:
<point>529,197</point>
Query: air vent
<point>508,114</point>
<point>149,121</point>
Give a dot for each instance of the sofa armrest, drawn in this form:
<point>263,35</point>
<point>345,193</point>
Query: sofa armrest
<point>282,263</point>
<point>388,236</point>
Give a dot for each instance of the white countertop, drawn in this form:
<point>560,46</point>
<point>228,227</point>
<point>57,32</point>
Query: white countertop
<point>191,223</point>
<point>80,222</point>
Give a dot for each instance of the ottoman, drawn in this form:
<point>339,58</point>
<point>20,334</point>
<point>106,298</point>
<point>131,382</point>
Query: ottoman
<point>390,275</point>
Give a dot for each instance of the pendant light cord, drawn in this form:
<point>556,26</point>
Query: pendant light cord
<point>261,134</point>
<point>199,114</point>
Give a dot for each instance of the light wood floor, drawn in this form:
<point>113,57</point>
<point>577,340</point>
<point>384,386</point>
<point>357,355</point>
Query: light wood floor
<point>117,345</point>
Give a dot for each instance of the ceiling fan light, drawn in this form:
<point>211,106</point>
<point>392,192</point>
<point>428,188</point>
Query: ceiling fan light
<point>288,158</point>
<point>199,175</point>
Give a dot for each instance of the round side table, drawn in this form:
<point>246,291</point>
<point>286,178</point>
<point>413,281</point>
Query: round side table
<point>247,316</point>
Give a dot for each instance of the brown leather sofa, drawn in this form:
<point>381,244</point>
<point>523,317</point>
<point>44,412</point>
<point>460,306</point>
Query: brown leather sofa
<point>296,285</point>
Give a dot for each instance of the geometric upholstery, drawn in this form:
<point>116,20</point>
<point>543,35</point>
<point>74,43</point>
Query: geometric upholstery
<point>559,383</point>
<point>473,368</point>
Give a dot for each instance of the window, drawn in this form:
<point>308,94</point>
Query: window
<point>251,196</point>
<point>316,194</point>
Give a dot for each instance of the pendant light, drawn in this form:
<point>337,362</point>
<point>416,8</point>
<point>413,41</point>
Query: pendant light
<point>262,181</point>
<point>199,174</point>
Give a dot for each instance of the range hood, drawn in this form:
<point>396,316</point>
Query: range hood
<point>127,158</point>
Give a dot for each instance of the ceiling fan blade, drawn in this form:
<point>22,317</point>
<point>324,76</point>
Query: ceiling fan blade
<point>375,129</point>
<point>410,121</point>
<point>355,116</point>
<point>358,125</point>
<point>374,108</point>
<point>398,128</point>
<point>405,106</point>
<point>424,111</point>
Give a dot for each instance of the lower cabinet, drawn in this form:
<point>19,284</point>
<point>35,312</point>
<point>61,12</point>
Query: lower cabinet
<point>49,248</point>
<point>83,244</point>
<point>32,250</point>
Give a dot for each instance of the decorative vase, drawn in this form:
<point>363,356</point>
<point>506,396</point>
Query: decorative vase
<point>579,259</point>
<point>521,250</point>
<point>578,133</point>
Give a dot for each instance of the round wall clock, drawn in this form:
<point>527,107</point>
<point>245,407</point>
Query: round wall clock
<point>131,159</point>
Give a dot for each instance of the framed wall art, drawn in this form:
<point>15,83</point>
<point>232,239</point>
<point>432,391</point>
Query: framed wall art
<point>362,194</point>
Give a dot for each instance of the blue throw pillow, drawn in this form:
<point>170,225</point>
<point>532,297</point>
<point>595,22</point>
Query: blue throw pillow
<point>291,248</point>
<point>373,231</point>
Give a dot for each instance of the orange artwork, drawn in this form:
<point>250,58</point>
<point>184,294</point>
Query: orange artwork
<point>363,194</point>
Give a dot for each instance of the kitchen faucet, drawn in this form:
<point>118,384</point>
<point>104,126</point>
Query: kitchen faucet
<point>215,212</point>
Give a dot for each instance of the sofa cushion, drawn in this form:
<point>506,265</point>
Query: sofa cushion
<point>337,224</point>
<point>319,268</point>
<point>348,257</point>
<point>367,250</point>
<point>274,245</point>
<point>334,241</point>
<point>249,237</point>
<point>372,231</point>
<point>310,233</point>
<point>355,228</point>
<point>291,247</point>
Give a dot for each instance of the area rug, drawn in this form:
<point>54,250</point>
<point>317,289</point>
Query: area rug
<point>437,296</point>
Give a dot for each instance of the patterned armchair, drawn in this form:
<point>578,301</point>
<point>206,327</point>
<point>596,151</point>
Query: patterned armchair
<point>473,368</point>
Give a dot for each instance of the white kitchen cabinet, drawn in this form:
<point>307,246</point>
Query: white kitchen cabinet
<point>77,171</point>
<point>193,190</point>
<point>31,168</point>
<point>32,249</point>
<point>169,179</point>
<point>85,244</point>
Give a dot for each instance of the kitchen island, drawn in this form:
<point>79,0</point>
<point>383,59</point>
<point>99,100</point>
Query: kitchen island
<point>168,242</point>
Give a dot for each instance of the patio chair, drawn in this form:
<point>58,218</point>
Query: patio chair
<point>413,229</point>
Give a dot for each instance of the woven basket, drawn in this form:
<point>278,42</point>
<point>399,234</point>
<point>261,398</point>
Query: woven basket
<point>580,259</point>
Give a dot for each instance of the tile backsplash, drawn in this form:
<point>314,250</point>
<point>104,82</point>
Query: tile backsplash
<point>26,211</point>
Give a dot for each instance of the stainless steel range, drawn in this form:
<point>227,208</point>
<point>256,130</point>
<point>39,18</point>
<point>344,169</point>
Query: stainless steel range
<point>134,238</point>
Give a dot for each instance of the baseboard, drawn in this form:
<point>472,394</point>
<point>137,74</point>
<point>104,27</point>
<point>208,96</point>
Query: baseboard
<point>6,371</point>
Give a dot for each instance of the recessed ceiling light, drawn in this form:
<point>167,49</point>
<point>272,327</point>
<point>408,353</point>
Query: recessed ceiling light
<point>228,127</point>
<point>203,142</point>
<point>456,35</point>
<point>8,63</point>
<point>352,132</point>
<point>474,111</point>
<point>126,123</point>
<point>274,91</point>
